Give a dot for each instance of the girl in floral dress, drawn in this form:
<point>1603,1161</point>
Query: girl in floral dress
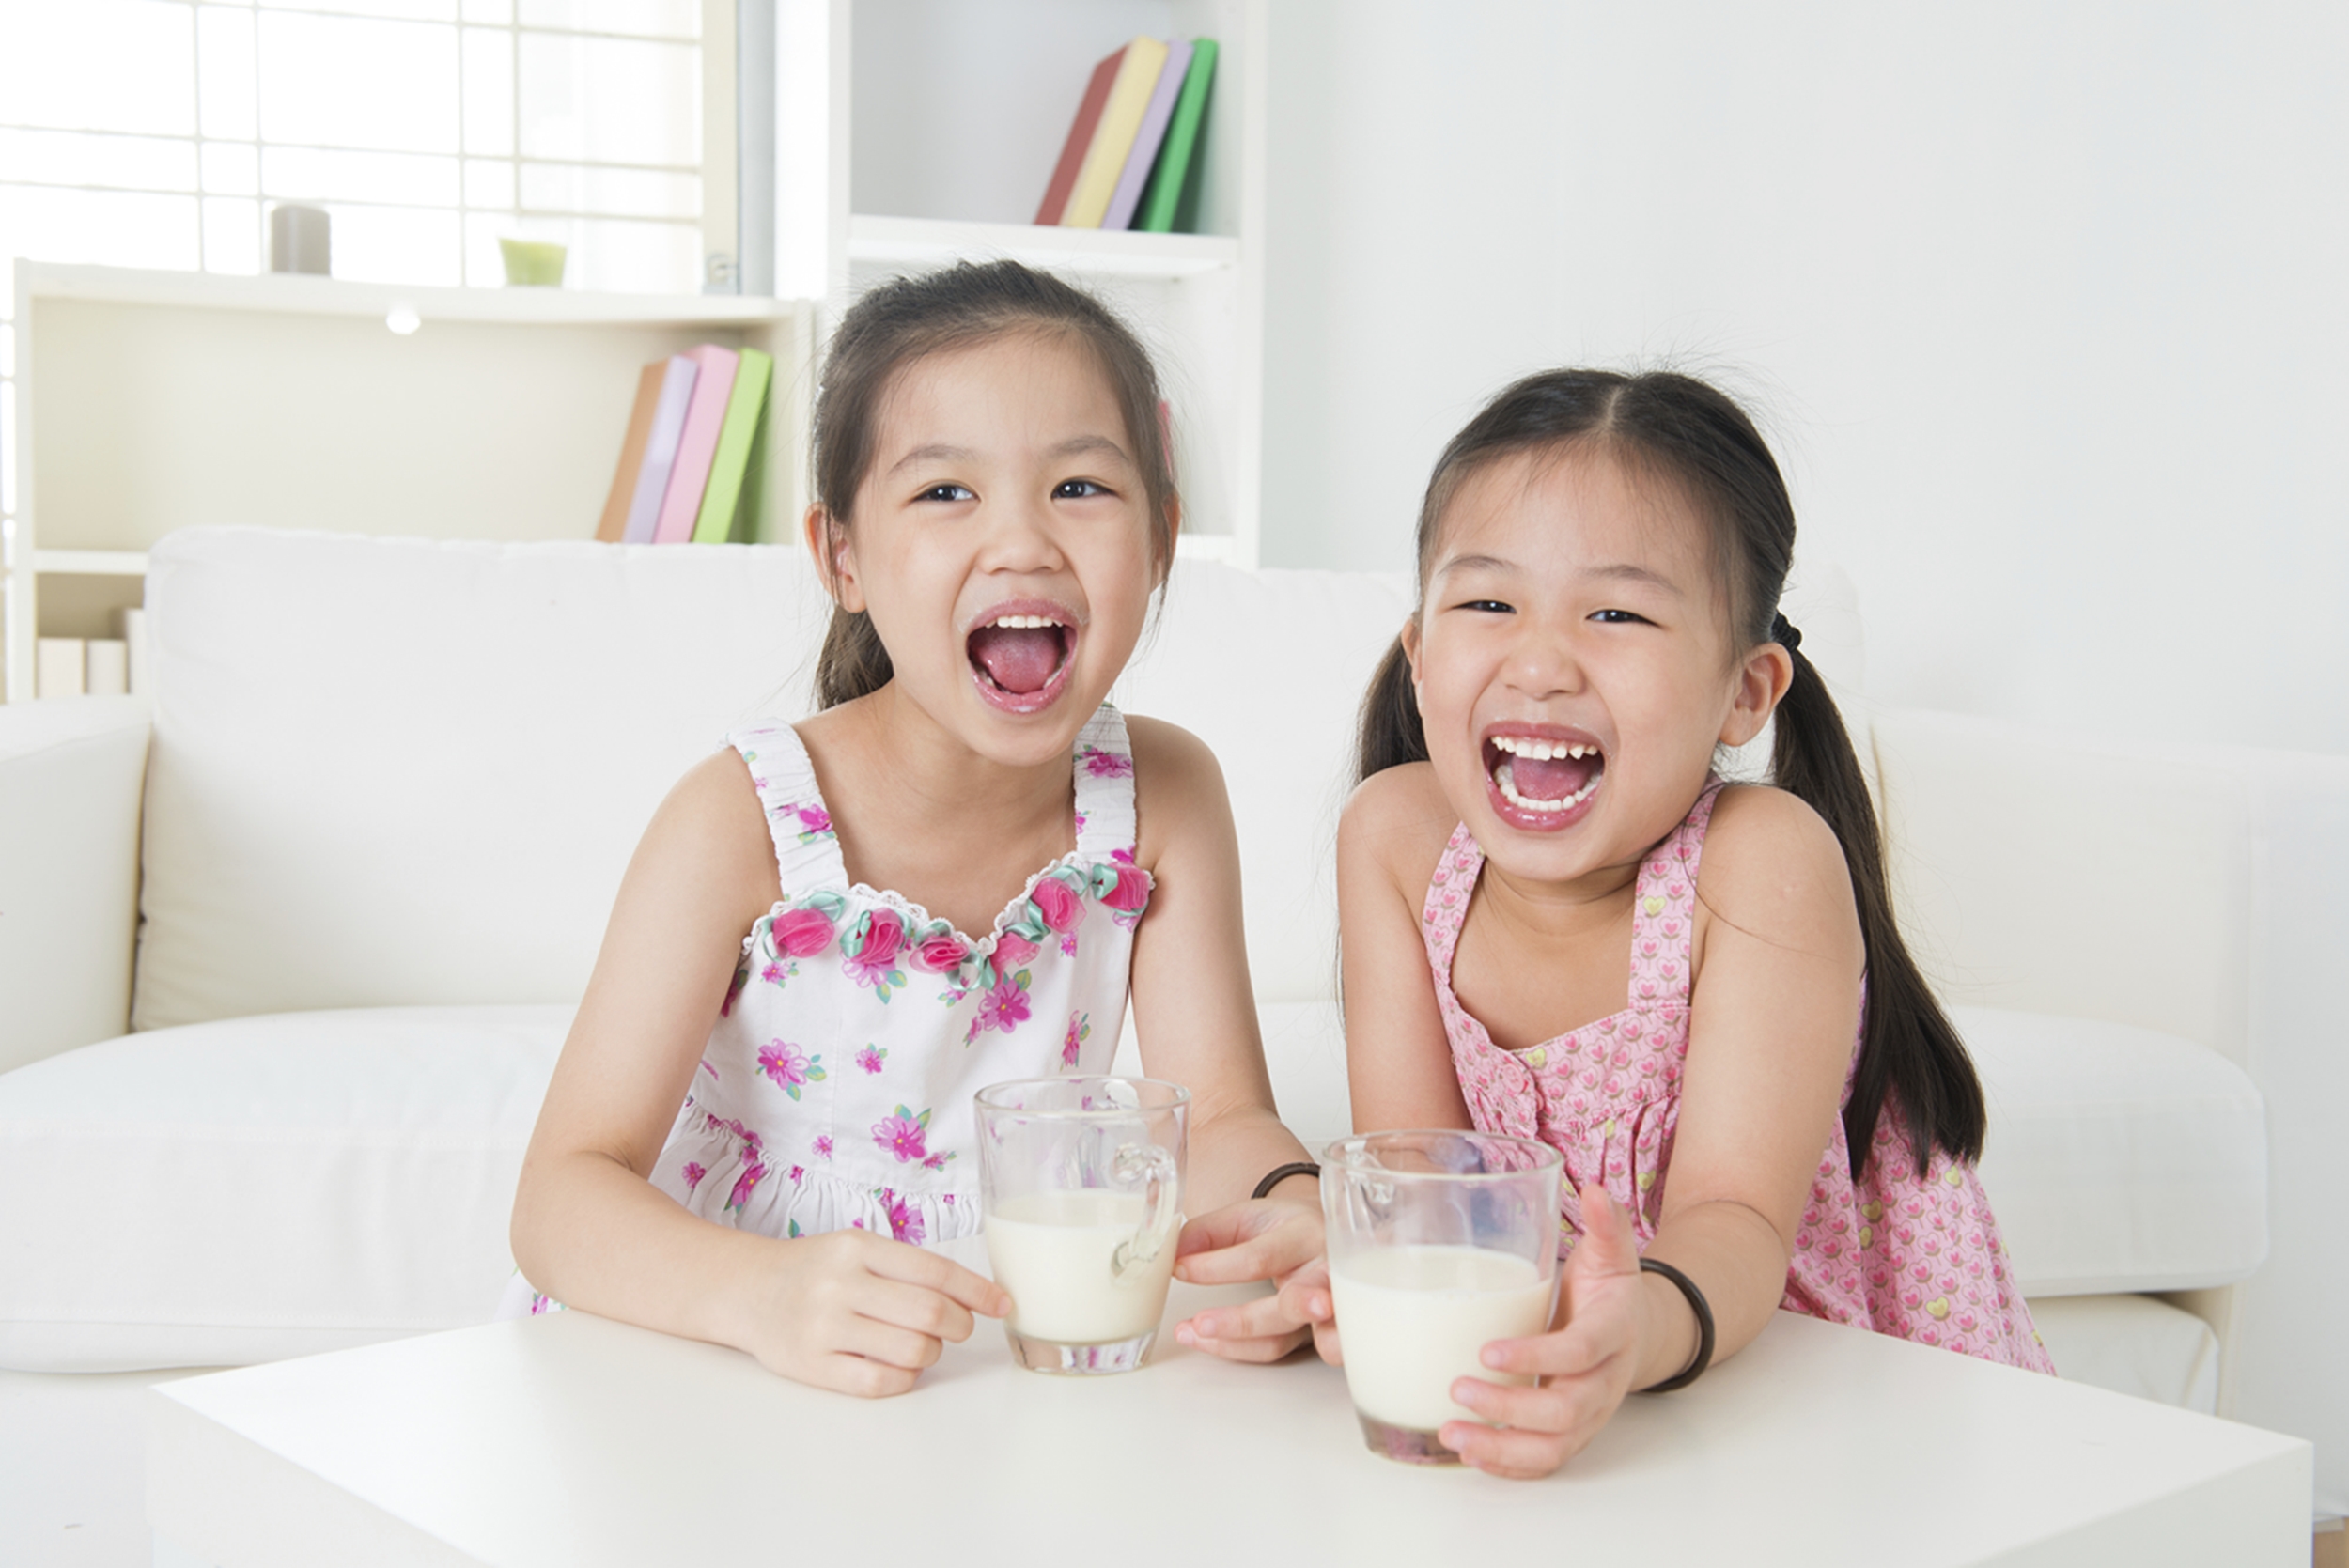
<point>955,874</point>
<point>1560,923</point>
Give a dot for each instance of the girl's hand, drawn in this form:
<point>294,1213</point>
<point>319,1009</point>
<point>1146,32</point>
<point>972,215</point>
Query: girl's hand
<point>851,1311</point>
<point>1586,1366</point>
<point>1263,1239</point>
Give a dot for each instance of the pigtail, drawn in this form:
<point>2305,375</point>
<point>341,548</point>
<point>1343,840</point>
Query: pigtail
<point>1909,1050</point>
<point>853,664</point>
<point>1389,734</point>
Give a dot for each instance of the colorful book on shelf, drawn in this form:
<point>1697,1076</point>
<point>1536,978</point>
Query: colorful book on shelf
<point>1162,199</point>
<point>668,424</point>
<point>1072,152</point>
<point>1148,139</point>
<point>705,416</point>
<point>1113,138</point>
<point>614,526</point>
<point>723,494</point>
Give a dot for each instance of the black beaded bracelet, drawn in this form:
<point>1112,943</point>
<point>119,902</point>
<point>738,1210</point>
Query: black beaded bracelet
<point>1705,1326</point>
<point>1280,1173</point>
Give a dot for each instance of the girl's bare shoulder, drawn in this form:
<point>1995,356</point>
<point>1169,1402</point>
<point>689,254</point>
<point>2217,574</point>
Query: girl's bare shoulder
<point>1772,864</point>
<point>1396,824</point>
<point>711,827</point>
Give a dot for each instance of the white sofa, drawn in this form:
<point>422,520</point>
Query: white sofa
<point>388,787</point>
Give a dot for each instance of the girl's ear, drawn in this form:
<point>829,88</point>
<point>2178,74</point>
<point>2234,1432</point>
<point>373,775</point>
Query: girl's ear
<point>1761,684</point>
<point>1173,533</point>
<point>1410,648</point>
<point>835,559</point>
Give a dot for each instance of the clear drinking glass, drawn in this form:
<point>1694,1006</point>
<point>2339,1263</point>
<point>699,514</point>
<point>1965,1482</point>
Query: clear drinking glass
<point>1082,1180</point>
<point>1438,1243</point>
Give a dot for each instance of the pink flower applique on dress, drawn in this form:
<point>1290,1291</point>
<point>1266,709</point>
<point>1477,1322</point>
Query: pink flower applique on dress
<point>823,1145</point>
<point>790,1067</point>
<point>869,951</point>
<point>745,1183</point>
<point>815,822</point>
<point>693,1172</point>
<point>905,1220</point>
<point>1080,1031</point>
<point>872,1057</point>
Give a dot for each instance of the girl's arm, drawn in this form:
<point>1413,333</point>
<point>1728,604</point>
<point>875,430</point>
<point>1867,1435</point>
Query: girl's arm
<point>1398,1064</point>
<point>849,1310</point>
<point>1774,1007</point>
<point>1195,1018</point>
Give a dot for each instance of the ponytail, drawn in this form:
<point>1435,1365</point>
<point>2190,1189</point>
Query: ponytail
<point>1909,1048</point>
<point>853,664</point>
<point>1390,733</point>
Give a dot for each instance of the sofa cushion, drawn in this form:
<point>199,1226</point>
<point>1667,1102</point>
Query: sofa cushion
<point>401,772</point>
<point>264,1186</point>
<point>2118,1158</point>
<point>2132,1344</point>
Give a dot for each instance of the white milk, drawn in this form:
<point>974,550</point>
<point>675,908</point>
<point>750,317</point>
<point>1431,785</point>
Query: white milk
<point>1054,1251</point>
<point>1411,1319</point>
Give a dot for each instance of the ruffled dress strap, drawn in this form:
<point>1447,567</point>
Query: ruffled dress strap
<point>807,851</point>
<point>1663,911</point>
<point>1105,789</point>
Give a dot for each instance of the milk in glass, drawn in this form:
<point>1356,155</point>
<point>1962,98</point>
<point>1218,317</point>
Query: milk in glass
<point>1056,1253</point>
<point>1414,1318</point>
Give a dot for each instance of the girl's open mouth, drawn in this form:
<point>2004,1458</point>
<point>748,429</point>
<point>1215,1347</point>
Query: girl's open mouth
<point>1544,781</point>
<point>1020,655</point>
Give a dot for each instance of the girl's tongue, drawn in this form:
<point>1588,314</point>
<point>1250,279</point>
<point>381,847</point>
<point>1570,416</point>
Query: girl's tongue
<point>1555,778</point>
<point>1018,658</point>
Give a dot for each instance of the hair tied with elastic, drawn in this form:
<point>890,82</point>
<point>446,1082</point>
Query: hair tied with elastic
<point>1785,632</point>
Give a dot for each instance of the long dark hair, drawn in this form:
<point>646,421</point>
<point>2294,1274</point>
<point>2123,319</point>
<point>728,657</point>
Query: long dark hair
<point>1680,430</point>
<point>956,308</point>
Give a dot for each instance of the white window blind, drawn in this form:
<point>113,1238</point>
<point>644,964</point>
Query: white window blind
<point>159,132</point>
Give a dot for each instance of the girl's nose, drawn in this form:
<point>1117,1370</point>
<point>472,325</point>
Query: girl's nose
<point>1543,663</point>
<point>1020,537</point>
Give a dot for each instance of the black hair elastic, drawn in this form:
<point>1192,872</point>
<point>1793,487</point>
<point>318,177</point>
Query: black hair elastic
<point>1705,1326</point>
<point>1785,632</point>
<point>1280,1173</point>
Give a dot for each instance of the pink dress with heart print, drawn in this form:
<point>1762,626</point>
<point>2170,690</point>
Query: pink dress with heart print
<point>1915,1256</point>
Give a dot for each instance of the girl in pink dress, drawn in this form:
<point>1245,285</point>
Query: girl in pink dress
<point>1560,923</point>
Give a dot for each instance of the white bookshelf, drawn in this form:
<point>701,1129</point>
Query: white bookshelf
<point>912,133</point>
<point>148,401</point>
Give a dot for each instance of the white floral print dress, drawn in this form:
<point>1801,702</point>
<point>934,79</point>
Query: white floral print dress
<point>835,1091</point>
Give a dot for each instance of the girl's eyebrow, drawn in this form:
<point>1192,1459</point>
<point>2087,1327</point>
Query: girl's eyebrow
<point>1477,563</point>
<point>940,452</point>
<point>1614,571</point>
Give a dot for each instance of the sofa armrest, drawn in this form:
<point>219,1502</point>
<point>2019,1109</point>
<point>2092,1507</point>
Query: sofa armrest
<point>2198,891</point>
<point>71,776</point>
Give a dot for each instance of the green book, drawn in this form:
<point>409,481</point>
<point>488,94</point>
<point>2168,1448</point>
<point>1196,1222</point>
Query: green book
<point>1176,163</point>
<point>727,465</point>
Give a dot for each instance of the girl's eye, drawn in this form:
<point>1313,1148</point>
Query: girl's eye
<point>1618,617</point>
<point>1489,606</point>
<point>946,492</point>
<point>1077,489</point>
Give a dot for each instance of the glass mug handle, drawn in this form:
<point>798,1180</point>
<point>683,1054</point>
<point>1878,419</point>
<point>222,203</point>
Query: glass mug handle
<point>1146,1163</point>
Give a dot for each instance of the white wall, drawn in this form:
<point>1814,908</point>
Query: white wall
<point>2042,303</point>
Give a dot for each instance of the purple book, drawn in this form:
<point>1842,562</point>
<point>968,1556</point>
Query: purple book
<point>1137,171</point>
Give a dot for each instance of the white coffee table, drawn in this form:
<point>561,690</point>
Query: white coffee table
<point>577,1441</point>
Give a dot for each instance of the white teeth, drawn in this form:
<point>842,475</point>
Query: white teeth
<point>1023,622</point>
<point>1505,776</point>
<point>1541,751</point>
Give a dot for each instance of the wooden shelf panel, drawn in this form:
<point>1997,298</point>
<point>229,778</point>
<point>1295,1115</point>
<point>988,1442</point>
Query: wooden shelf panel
<point>1100,253</point>
<point>91,563</point>
<point>296,295</point>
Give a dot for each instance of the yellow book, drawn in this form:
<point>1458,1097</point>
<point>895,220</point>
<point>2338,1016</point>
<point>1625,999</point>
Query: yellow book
<point>1113,138</point>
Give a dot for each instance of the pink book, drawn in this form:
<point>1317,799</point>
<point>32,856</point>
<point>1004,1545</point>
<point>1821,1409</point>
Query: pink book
<point>1147,140</point>
<point>705,416</point>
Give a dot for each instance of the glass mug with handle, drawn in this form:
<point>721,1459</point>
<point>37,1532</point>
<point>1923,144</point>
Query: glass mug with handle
<point>1081,1183</point>
<point>1439,1243</point>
